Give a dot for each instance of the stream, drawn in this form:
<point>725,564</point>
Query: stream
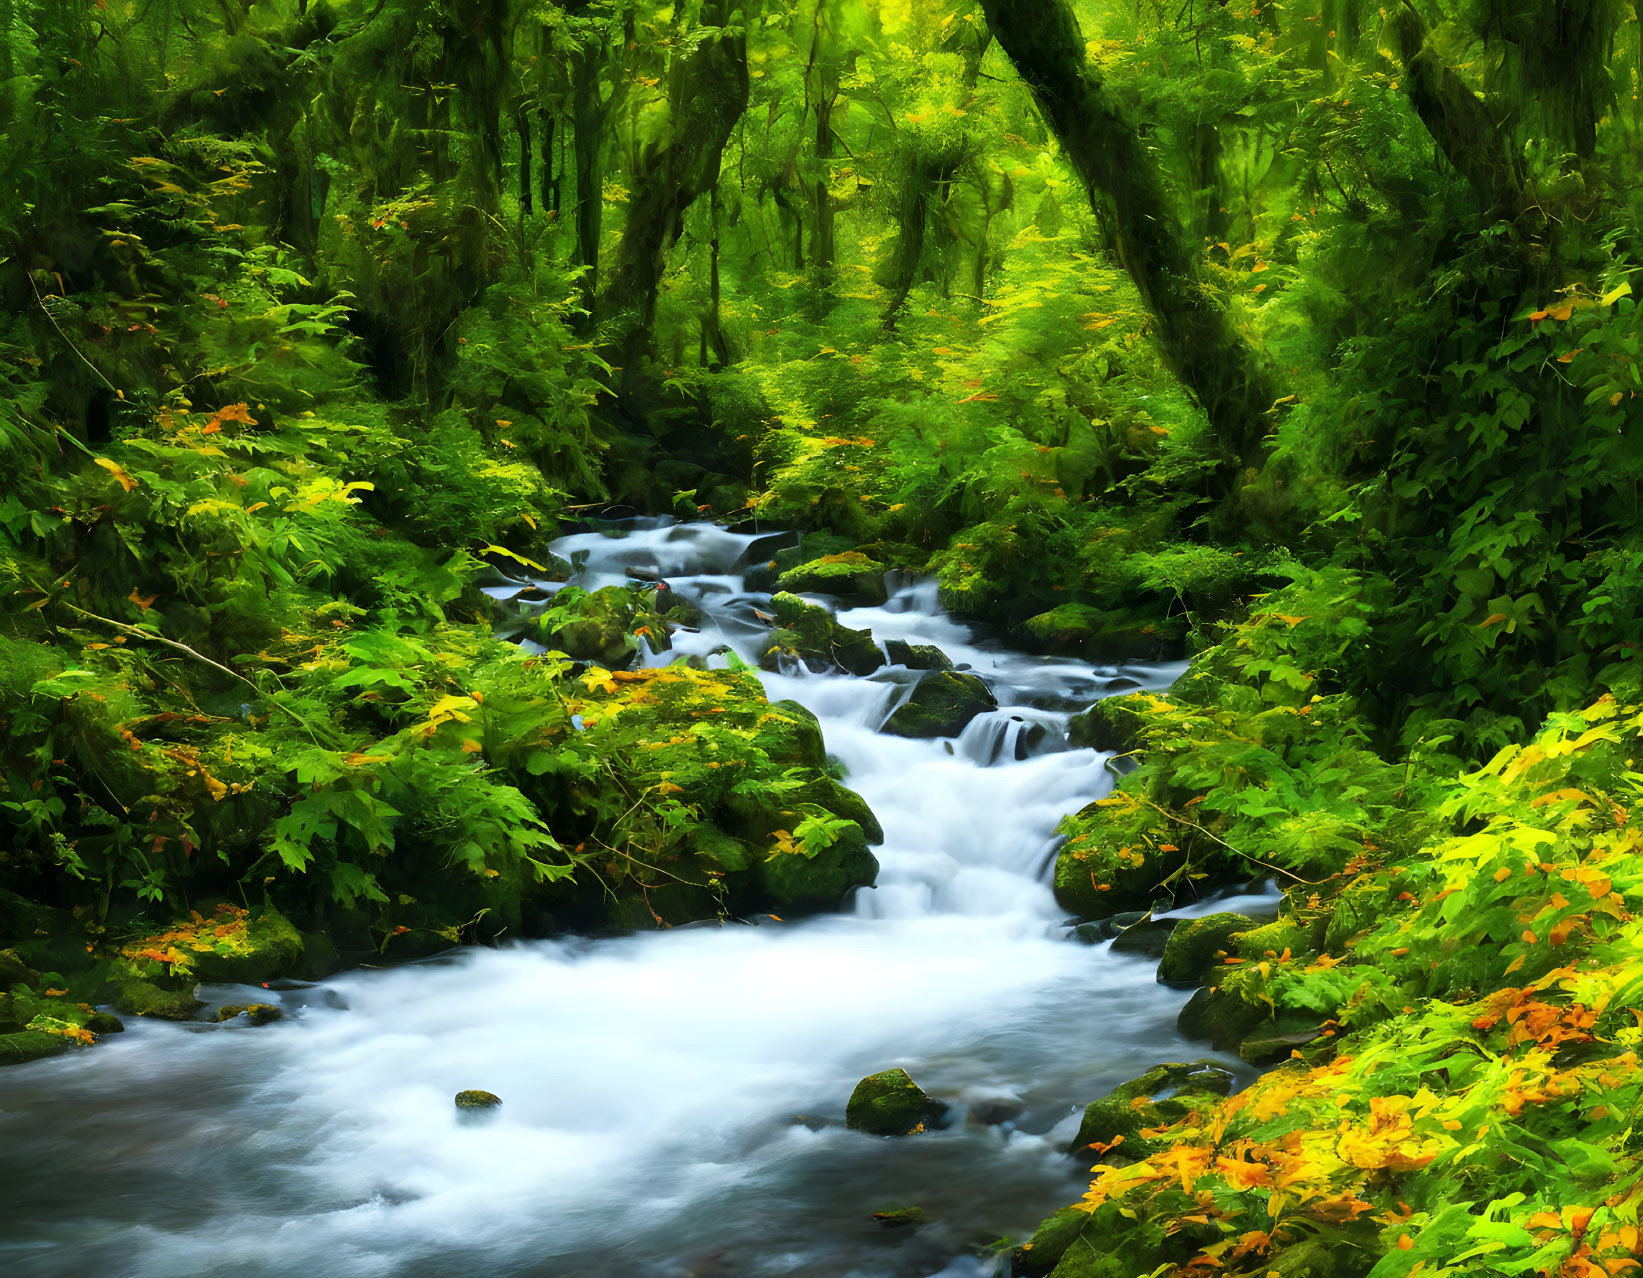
<point>673,1102</point>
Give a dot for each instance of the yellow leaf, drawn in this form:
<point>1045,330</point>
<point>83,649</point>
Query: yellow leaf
<point>1493,619</point>
<point>506,553</point>
<point>1615,294</point>
<point>470,746</point>
<point>119,472</point>
<point>598,680</point>
<point>451,707</point>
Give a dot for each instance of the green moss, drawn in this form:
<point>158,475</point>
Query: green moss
<point>1113,723</point>
<point>810,633</point>
<point>145,998</point>
<point>850,575</point>
<point>890,1103</point>
<point>475,1099</point>
<point>941,704</point>
<point>1117,1120</point>
<point>916,656</point>
<point>1197,947</point>
<point>1116,858</point>
<point>792,880</point>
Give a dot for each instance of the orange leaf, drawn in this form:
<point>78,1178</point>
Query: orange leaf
<point>1493,619</point>
<point>145,602</point>
<point>1405,1242</point>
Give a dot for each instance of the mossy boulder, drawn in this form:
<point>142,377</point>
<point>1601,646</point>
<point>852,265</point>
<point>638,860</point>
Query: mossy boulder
<point>890,1103</point>
<point>794,880</point>
<point>1112,724</point>
<point>1197,947</point>
<point>230,945</point>
<point>941,704</point>
<point>1117,1120</point>
<point>810,633</point>
<point>147,998</point>
<point>763,574</point>
<point>1271,940</point>
<point>30,1045</point>
<point>1106,866</point>
<point>849,575</point>
<point>1146,937</point>
<point>476,1099</point>
<point>602,632</point>
<point>255,1013</point>
<point>1041,1253</point>
<point>1219,1017</point>
<point>916,656</point>
<point>1141,633</point>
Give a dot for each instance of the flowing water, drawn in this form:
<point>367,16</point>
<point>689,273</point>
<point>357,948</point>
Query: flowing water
<point>673,1101</point>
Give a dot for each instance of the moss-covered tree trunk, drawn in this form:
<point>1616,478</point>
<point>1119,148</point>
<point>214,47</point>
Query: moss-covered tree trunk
<point>707,94</point>
<point>1043,39</point>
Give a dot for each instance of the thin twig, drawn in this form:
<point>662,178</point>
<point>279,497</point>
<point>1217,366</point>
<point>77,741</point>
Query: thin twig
<point>140,633</point>
<point>1193,825</point>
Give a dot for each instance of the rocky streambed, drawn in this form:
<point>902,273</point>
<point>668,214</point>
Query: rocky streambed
<point>677,1102</point>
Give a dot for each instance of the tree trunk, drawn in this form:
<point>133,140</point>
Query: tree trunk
<point>1459,122</point>
<point>1197,339</point>
<point>588,120</point>
<point>707,94</point>
<point>522,124</point>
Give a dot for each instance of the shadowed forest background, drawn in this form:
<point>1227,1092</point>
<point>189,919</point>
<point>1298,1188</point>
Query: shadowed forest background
<point>1299,340</point>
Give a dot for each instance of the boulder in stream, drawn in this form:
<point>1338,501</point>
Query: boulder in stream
<point>474,1099</point>
<point>890,1103</point>
<point>916,656</point>
<point>850,575</point>
<point>1118,1118</point>
<point>810,633</point>
<point>942,703</point>
<point>1197,946</point>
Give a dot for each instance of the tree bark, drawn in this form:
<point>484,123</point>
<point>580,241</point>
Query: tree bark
<point>588,123</point>
<point>707,94</point>
<point>1198,341</point>
<point>1459,122</point>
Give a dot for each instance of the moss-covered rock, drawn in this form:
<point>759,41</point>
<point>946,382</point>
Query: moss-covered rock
<point>1146,937</point>
<point>1197,947</point>
<point>1219,1017</point>
<point>850,575</point>
<point>941,704</point>
<point>473,1099</point>
<point>231,945</point>
<point>810,633</point>
<point>1119,1117</point>
<point>1041,1253</point>
<point>13,971</point>
<point>1106,866</point>
<point>890,1103</point>
<point>916,656</point>
<point>1275,939</point>
<point>30,1045</point>
<point>146,998</point>
<point>604,629</point>
<point>256,1013</point>
<point>818,880</point>
<point>1111,724</point>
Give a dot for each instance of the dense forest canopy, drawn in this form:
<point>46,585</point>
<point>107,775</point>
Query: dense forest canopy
<point>1300,339</point>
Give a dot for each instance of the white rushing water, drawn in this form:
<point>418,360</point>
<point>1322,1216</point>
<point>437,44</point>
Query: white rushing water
<point>673,1102</point>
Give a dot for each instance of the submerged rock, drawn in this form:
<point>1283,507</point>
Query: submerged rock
<point>900,1217</point>
<point>941,704</point>
<point>145,998</point>
<point>256,1013</point>
<point>475,1099</point>
<point>851,575</point>
<point>890,1103</point>
<point>1196,947</point>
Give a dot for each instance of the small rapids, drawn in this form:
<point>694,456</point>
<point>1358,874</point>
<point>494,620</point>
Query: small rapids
<point>673,1102</point>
